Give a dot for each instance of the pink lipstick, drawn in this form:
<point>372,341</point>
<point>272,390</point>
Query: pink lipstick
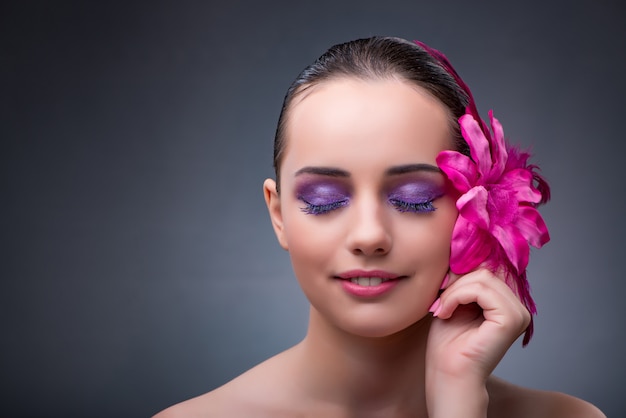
<point>368,283</point>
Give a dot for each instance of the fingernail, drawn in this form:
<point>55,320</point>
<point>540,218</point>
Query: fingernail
<point>435,306</point>
<point>446,279</point>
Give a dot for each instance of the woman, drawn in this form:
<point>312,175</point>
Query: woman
<point>411,253</point>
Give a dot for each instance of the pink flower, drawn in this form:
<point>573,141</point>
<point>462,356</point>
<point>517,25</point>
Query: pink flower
<point>497,216</point>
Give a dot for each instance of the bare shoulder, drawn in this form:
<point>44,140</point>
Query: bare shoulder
<point>512,401</point>
<point>211,404</point>
<point>259,392</point>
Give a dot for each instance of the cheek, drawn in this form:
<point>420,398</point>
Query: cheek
<point>430,241</point>
<point>310,252</point>
<point>449,215</point>
<point>445,223</point>
<point>311,242</point>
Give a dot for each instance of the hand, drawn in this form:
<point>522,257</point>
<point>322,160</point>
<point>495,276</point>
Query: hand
<point>477,319</point>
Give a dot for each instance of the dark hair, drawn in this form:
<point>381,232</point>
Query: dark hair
<point>372,59</point>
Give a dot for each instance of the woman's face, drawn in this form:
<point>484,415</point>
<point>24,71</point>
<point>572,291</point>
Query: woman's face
<point>364,211</point>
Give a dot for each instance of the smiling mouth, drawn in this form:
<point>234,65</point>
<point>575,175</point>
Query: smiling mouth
<point>368,281</point>
<point>368,278</point>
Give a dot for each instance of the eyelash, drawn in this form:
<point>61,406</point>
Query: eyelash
<point>403,206</point>
<point>400,205</point>
<point>312,209</point>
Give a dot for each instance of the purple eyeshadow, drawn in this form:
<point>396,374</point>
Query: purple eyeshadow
<point>321,193</point>
<point>324,195</point>
<point>416,192</point>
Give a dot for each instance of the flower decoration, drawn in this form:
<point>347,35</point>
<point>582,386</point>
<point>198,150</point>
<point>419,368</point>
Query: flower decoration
<point>498,219</point>
<point>497,204</point>
<point>499,192</point>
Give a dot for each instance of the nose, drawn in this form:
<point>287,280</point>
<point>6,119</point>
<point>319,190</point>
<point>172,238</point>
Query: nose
<point>369,232</point>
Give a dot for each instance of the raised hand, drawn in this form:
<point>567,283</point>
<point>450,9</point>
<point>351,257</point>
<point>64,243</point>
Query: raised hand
<point>476,319</point>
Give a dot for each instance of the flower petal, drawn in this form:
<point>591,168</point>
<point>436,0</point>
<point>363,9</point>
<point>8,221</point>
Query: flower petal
<point>458,168</point>
<point>479,146</point>
<point>516,158</point>
<point>470,246</point>
<point>514,244</point>
<point>473,207</point>
<point>532,226</point>
<point>520,181</point>
<point>498,149</point>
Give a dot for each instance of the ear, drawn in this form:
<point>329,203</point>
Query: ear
<point>272,200</point>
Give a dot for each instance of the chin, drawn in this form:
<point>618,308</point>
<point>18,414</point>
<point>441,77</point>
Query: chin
<point>381,327</point>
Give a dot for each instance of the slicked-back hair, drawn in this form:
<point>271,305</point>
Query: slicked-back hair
<point>376,58</point>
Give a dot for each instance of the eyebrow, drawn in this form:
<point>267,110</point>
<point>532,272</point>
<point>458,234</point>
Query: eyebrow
<point>323,171</point>
<point>412,168</point>
<point>393,171</point>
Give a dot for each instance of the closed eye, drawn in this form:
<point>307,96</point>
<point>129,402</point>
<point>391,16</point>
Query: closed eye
<point>403,206</point>
<point>311,209</point>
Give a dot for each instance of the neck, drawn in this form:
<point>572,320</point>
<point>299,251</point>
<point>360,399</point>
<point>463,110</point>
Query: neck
<point>382,373</point>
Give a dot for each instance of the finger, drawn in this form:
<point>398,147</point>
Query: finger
<point>466,292</point>
<point>449,279</point>
<point>480,275</point>
<point>487,291</point>
<point>453,280</point>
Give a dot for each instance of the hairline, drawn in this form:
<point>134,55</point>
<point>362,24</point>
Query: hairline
<point>302,91</point>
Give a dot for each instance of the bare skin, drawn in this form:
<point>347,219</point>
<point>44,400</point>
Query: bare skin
<point>271,390</point>
<point>386,355</point>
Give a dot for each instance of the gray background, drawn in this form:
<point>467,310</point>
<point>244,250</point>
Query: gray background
<point>138,266</point>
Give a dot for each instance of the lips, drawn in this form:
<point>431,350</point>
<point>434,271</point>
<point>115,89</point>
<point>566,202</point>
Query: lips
<point>368,281</point>
<point>368,284</point>
<point>367,274</point>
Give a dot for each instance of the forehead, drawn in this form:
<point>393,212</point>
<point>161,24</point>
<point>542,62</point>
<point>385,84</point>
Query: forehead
<point>373,121</point>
